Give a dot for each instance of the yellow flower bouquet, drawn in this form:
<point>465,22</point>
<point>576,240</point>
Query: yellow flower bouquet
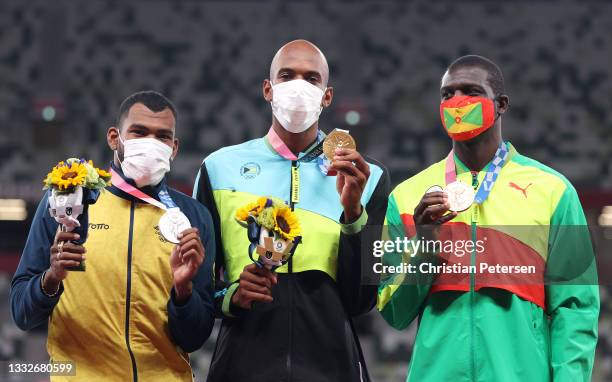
<point>273,230</point>
<point>73,172</point>
<point>72,186</point>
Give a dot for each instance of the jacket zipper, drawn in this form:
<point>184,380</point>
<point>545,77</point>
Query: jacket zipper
<point>473,282</point>
<point>294,167</point>
<point>128,293</point>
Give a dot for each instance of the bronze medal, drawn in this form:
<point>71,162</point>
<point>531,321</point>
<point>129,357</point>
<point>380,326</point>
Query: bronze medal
<point>460,196</point>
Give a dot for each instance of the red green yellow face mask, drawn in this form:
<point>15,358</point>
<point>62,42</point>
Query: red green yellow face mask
<point>465,117</point>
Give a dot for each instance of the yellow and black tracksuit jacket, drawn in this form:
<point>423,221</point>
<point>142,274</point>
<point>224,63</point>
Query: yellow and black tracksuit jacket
<point>117,321</point>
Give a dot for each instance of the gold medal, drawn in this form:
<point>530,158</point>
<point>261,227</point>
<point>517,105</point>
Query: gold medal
<point>337,139</point>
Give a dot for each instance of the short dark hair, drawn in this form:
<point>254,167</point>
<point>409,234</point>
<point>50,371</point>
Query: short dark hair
<point>495,77</point>
<point>153,100</point>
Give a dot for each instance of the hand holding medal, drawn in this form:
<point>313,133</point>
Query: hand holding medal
<point>351,169</point>
<point>337,139</point>
<point>459,195</point>
<point>187,255</point>
<point>431,212</point>
<point>186,258</point>
<point>440,205</point>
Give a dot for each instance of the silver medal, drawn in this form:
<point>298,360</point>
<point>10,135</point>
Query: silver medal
<point>172,223</point>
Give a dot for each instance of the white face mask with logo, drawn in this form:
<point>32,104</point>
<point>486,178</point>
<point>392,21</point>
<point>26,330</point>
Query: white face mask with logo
<point>296,104</point>
<point>145,160</point>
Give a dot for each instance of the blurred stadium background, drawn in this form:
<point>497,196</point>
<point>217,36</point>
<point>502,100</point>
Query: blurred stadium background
<point>66,65</point>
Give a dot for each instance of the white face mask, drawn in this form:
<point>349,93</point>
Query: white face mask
<point>145,160</point>
<point>296,104</point>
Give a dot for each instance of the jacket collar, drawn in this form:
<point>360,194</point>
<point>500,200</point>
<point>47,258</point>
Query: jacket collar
<point>276,145</point>
<point>152,191</point>
<point>460,167</point>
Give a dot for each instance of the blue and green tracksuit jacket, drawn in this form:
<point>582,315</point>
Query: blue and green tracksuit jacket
<point>305,334</point>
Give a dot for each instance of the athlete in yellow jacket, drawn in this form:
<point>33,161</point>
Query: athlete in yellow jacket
<point>143,302</point>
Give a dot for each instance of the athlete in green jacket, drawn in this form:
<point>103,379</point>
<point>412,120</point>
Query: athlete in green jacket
<point>521,302</point>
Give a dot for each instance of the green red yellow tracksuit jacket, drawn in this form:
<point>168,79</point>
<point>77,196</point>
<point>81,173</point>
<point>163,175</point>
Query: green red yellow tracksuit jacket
<point>484,326</point>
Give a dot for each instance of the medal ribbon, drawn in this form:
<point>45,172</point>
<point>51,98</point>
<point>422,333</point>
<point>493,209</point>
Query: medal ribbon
<point>491,175</point>
<point>166,201</point>
<point>315,151</point>
<point>279,146</point>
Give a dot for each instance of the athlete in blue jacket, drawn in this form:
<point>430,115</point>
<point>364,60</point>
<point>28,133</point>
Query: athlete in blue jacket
<point>295,324</point>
